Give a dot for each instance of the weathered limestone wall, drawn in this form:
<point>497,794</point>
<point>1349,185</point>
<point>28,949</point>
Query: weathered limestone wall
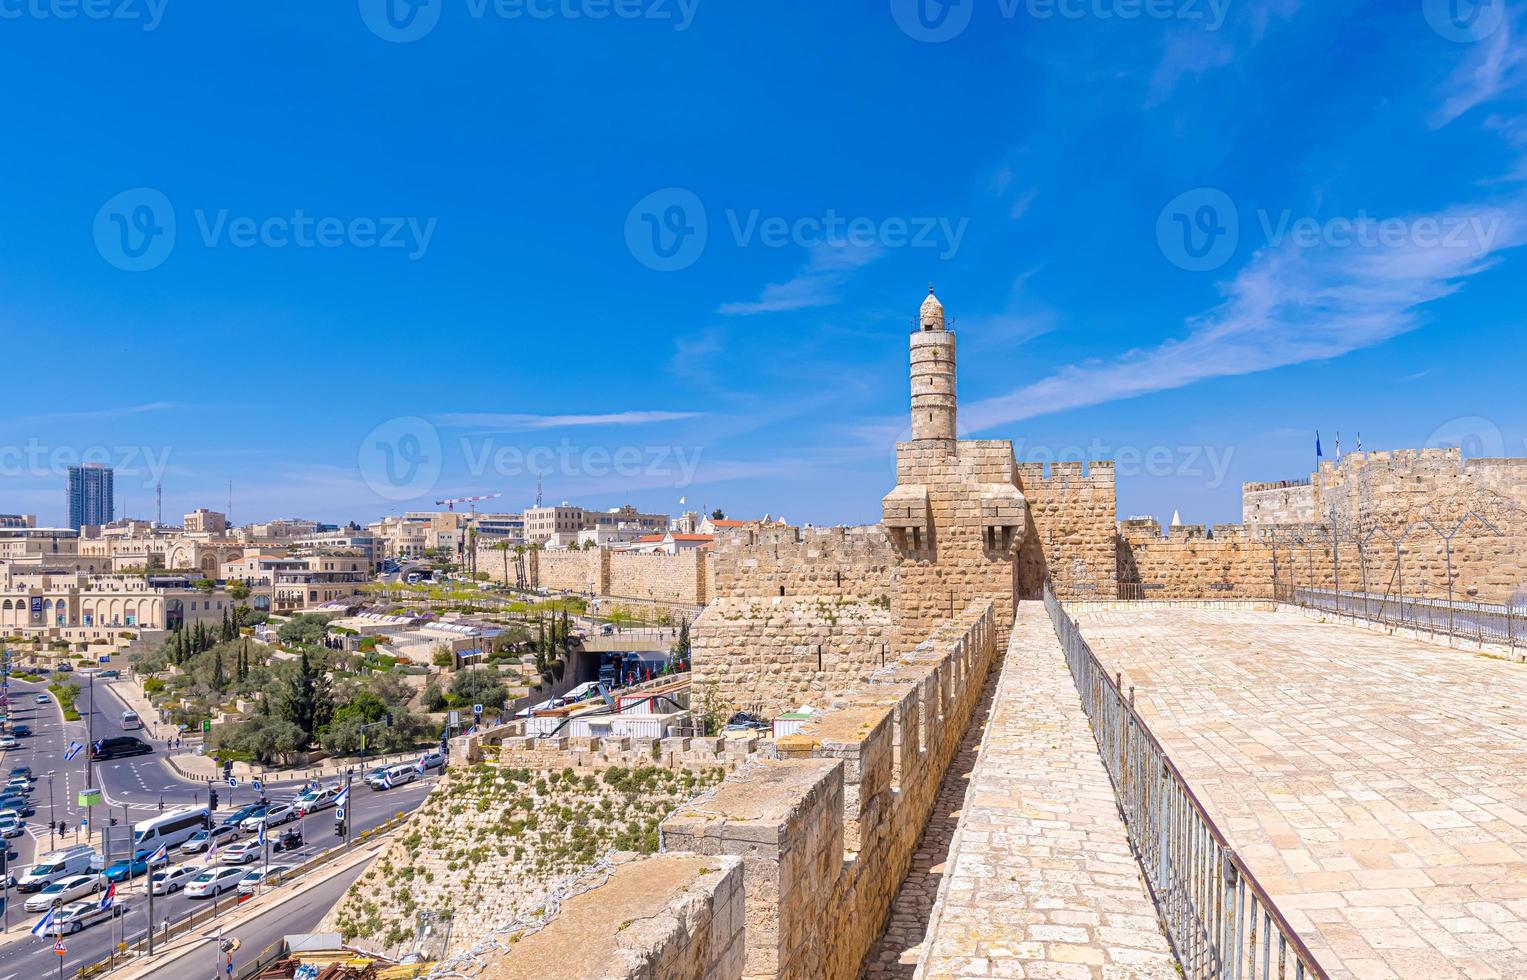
<point>680,578</point>
<point>826,833</point>
<point>952,560</point>
<point>798,616</point>
<point>696,754</point>
<point>1189,563</point>
<point>674,917</point>
<point>1285,502</point>
<point>1072,511</point>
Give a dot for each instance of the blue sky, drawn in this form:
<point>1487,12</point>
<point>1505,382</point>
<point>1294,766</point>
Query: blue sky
<point>353,259</point>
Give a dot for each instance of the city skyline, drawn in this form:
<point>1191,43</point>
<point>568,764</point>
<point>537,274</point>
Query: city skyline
<point>1197,318</point>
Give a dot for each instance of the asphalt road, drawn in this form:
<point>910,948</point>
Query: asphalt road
<point>294,917</point>
<point>137,785</point>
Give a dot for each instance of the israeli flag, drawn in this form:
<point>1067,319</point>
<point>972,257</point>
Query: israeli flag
<point>343,799</point>
<point>73,750</point>
<point>261,838</point>
<point>387,780</point>
<point>161,855</point>
<point>420,765</point>
<point>41,928</point>
<point>109,897</point>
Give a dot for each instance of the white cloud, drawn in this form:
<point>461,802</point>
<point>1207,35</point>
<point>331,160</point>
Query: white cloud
<point>1492,67</point>
<point>1288,306</point>
<point>827,268</point>
<point>100,414</point>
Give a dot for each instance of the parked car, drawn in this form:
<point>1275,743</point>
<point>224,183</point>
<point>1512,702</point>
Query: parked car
<point>75,917</point>
<point>213,882</point>
<point>173,879</point>
<point>65,890</point>
<point>11,827</point>
<point>21,731</point>
<point>199,842</point>
<point>274,816</point>
<point>19,814</point>
<point>14,801</point>
<point>8,742</point>
<point>24,772</point>
<point>251,882</point>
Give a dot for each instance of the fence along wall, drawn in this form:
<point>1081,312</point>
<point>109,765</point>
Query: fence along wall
<point>827,832</point>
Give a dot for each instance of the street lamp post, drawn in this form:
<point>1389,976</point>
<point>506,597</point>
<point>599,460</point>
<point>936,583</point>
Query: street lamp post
<point>52,814</point>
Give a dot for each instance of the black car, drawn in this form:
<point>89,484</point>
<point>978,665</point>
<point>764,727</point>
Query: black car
<point>121,747</point>
<point>22,771</point>
<point>21,731</point>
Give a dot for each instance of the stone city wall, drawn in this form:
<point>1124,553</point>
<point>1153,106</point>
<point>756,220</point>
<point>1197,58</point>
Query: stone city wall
<point>674,917</point>
<point>1072,511</point>
<point>681,579</point>
<point>533,752</point>
<point>827,832</point>
<point>857,564</point>
<point>1285,502</point>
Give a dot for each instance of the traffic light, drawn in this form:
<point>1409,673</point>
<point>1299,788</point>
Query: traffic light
<point>227,768</point>
<point>339,828</point>
<point>212,799</point>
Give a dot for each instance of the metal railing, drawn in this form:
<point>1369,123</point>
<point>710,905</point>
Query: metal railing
<point>1482,622</point>
<point>1220,921</point>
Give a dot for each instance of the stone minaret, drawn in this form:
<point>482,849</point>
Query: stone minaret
<point>933,398</point>
<point>956,515</point>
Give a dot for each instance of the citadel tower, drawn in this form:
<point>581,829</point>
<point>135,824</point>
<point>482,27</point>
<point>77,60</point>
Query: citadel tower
<point>957,516</point>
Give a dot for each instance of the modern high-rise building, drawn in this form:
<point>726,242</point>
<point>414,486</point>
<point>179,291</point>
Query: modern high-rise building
<point>91,497</point>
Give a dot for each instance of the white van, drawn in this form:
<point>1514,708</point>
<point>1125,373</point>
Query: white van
<point>131,722</point>
<point>58,865</point>
<point>393,776</point>
<point>170,829</point>
<point>315,799</point>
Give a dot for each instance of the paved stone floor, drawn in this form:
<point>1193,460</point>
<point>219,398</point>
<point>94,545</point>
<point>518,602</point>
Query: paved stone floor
<point>1376,786</point>
<point>1041,881</point>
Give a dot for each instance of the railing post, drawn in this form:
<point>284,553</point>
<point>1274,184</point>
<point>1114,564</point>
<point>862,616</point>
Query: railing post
<point>1230,955</point>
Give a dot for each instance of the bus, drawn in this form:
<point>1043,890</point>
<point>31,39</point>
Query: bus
<point>172,828</point>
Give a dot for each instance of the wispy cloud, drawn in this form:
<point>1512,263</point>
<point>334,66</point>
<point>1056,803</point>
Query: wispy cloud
<point>528,423</point>
<point>827,268</point>
<point>1288,306</point>
<point>1491,68</point>
<point>99,414</point>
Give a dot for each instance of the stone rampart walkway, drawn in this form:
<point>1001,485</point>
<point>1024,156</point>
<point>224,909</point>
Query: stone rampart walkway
<point>1376,786</point>
<point>1040,880</point>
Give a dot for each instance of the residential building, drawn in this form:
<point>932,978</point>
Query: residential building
<point>204,521</point>
<point>79,607</point>
<point>18,520</point>
<point>91,495</point>
<point>670,543</point>
<point>543,525</point>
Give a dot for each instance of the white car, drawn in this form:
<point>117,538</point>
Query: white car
<point>172,880</point>
<point>243,852</point>
<point>67,890</point>
<point>75,917</point>
<point>199,841</point>
<point>8,742</point>
<point>251,882</point>
<point>212,882</point>
<point>274,817</point>
<point>43,699</point>
<point>315,799</point>
<point>19,784</point>
<point>11,827</point>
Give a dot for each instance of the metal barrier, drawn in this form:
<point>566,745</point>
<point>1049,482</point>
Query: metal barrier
<point>1483,622</point>
<point>1220,921</point>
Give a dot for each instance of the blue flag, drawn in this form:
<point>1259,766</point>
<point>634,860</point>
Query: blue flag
<point>1318,453</point>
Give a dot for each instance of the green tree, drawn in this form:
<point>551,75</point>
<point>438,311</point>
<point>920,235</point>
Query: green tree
<point>479,687</point>
<point>204,585</point>
<point>307,629</point>
<point>718,514</point>
<point>306,700</point>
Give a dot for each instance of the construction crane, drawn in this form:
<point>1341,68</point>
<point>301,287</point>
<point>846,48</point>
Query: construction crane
<point>451,502</point>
